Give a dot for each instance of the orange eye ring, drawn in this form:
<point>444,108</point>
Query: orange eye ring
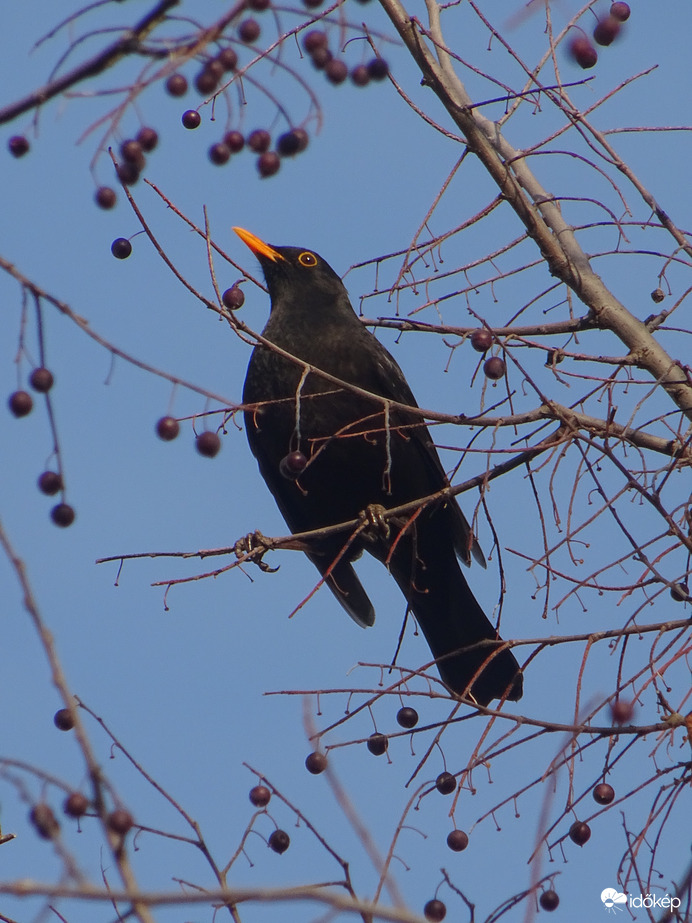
<point>307,259</point>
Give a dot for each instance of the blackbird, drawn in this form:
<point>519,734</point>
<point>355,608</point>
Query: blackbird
<point>330,455</point>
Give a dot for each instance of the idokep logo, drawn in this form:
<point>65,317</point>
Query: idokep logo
<point>615,900</point>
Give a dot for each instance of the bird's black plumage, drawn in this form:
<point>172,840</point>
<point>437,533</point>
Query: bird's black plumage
<point>362,452</point>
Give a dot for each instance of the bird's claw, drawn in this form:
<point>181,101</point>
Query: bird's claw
<point>374,519</point>
<point>253,547</point>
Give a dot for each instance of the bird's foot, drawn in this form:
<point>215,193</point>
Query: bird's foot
<point>253,547</point>
<point>373,517</point>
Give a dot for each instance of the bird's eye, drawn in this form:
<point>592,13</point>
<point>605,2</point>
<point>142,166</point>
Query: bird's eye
<point>307,259</point>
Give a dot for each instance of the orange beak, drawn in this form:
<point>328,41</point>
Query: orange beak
<point>258,247</point>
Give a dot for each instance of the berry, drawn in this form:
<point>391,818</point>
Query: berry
<point>320,57</point>
<point>315,39</point>
<point>20,403</point>
<point>63,515</point>
<point>176,85</point>
<point>579,832</point>
<point>260,795</point>
<point>316,762</point>
<point>603,793</point>
<point>658,295</point>
<point>167,428</point>
<point>148,138</point>
<point>131,151</point>
<point>457,840</point>
<point>76,804</point>
<point>121,248</point>
<point>378,69</point>
<point>292,465</point>
<point>43,819</point>
<point>49,482</point>
<point>268,163</point>
<point>377,744</point>
<point>191,119</point>
<point>445,783</point>
<point>63,719</point>
<point>41,379</point>
<point>336,71</point>
<point>620,11</point>
<point>120,821</point>
<point>481,340</point>
<point>257,5</point>
<point>360,75</point>
<point>249,31</point>
<point>279,841</point>
<point>105,197</point>
<point>18,146</point>
<point>227,58</point>
<point>312,4</point>
<point>208,444</point>
<point>435,911</point>
<point>206,81</point>
<point>606,30</point>
<point>292,142</point>
<point>549,900</point>
<point>219,154</point>
<point>621,712</point>
<point>127,173</point>
<point>233,298</point>
<point>583,52</point>
<point>259,140</point>
<point>679,592</point>
<point>407,717</point>
<point>494,368</point>
<point>234,141</point>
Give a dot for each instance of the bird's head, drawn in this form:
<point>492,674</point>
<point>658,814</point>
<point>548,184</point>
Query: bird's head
<point>293,272</point>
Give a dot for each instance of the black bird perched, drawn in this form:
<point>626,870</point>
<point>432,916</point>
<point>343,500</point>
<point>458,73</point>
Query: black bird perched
<point>328,455</point>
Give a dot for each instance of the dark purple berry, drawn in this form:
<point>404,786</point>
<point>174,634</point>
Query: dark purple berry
<point>457,840</point>
<point>41,379</point>
<point>279,841</point>
<point>259,796</point>
<point>208,444</point>
<point>206,81</point>
<point>445,783</point>
<point>234,141</point>
<point>257,5</point>
<point>76,804</point>
<point>63,719</point>
<point>167,428</point>
<point>20,403</point>
<point>658,295</point>
<point>620,11</point>
<point>336,71</point>
<point>293,465</point>
<point>606,30</point>
<point>622,712</point>
<point>120,821</point>
<point>378,69</point>
<point>259,140</point>
<point>268,163</point>
<point>320,57</point>
<point>549,900</point>
<point>219,154</point>
<point>148,138</point>
<point>312,4</point>
<point>292,142</point>
<point>407,717</point>
<point>62,515</point>
<point>176,85</point>
<point>44,821</point>
<point>603,793</point>
<point>191,119</point>
<point>18,145</point>
<point>314,39</point>
<point>127,173</point>
<point>679,592</point>
<point>233,298</point>
<point>377,744</point>
<point>360,75</point>
<point>131,151</point>
<point>121,248</point>
<point>49,482</point>
<point>249,31</point>
<point>227,58</point>
<point>435,911</point>
<point>105,197</point>
<point>316,762</point>
<point>494,368</point>
<point>579,832</point>
<point>583,52</point>
<point>481,340</point>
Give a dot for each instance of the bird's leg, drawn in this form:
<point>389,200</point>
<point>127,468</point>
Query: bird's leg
<point>374,521</point>
<point>254,546</point>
